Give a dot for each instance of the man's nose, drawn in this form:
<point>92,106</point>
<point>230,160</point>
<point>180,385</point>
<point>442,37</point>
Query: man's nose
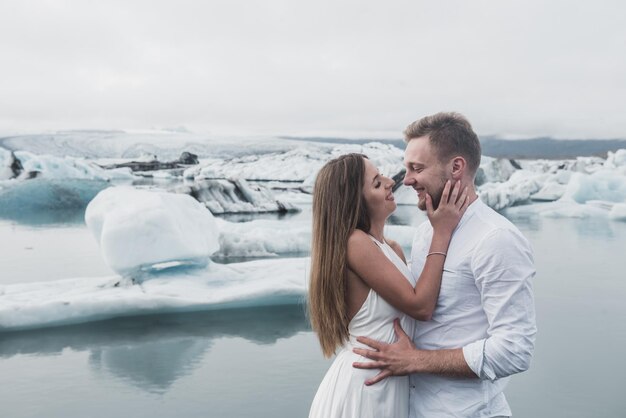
<point>407,181</point>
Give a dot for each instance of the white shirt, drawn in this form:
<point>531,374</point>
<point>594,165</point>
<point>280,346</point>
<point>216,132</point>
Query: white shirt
<point>485,306</point>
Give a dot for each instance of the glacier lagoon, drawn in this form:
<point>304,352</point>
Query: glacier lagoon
<point>265,361</point>
<point>254,354</point>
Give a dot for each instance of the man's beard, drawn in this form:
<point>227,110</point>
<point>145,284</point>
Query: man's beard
<point>435,196</point>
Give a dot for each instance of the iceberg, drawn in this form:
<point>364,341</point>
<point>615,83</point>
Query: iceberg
<point>141,229</point>
<point>269,238</point>
<point>132,144</point>
<point>603,184</point>
<point>235,196</point>
<point>41,200</point>
<point>52,167</point>
<point>569,182</point>
<point>300,164</point>
<point>263,238</point>
<point>516,190</point>
<point>10,167</point>
<point>496,170</point>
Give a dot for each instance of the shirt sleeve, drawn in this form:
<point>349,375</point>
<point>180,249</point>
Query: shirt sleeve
<point>503,268</point>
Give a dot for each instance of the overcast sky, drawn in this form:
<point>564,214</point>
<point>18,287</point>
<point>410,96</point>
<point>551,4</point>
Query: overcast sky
<point>350,68</point>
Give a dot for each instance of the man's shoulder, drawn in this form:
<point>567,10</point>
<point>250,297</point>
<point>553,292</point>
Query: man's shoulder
<point>498,237</point>
<point>488,231</point>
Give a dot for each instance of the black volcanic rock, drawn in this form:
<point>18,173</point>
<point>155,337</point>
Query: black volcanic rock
<point>185,159</point>
<point>188,158</point>
<point>16,166</point>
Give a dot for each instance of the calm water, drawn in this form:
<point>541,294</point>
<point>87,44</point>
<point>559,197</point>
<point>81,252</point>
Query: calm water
<point>266,362</point>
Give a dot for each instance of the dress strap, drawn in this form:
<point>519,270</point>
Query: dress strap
<point>376,241</point>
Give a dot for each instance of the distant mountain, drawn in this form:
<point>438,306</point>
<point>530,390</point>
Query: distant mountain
<point>533,148</point>
<point>549,148</point>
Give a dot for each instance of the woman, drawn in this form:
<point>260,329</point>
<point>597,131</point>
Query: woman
<point>360,282</point>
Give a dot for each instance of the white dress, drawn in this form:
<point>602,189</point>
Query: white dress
<point>342,392</point>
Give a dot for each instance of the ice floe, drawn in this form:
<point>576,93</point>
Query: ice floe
<point>73,301</point>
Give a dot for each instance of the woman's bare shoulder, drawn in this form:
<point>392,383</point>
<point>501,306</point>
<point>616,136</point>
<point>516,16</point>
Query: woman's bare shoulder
<point>358,238</point>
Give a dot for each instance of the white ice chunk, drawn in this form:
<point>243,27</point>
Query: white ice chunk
<point>146,158</point>
<point>162,175</point>
<point>496,169</point>
<point>617,161</point>
<point>586,165</point>
<point>518,189</point>
<point>601,185</point>
<point>263,238</point>
<point>618,212</point>
<point>73,301</point>
<point>137,229</point>
<point>549,192</point>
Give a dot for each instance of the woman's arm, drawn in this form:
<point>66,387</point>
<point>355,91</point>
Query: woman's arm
<point>378,272</point>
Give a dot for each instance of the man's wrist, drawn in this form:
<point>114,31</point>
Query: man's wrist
<point>450,362</point>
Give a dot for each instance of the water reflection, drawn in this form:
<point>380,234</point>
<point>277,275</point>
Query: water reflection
<point>526,221</point>
<point>153,365</point>
<point>532,218</point>
<point>153,352</point>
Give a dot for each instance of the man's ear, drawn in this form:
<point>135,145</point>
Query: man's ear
<point>459,165</point>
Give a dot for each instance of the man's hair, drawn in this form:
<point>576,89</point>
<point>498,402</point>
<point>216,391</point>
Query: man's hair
<point>450,135</point>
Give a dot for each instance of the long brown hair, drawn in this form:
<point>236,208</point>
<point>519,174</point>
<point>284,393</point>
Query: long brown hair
<point>338,209</point>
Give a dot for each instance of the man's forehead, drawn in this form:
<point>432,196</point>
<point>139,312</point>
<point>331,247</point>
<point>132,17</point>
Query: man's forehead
<point>418,151</point>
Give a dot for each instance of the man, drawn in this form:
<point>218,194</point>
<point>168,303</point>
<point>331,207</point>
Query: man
<point>483,328</point>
